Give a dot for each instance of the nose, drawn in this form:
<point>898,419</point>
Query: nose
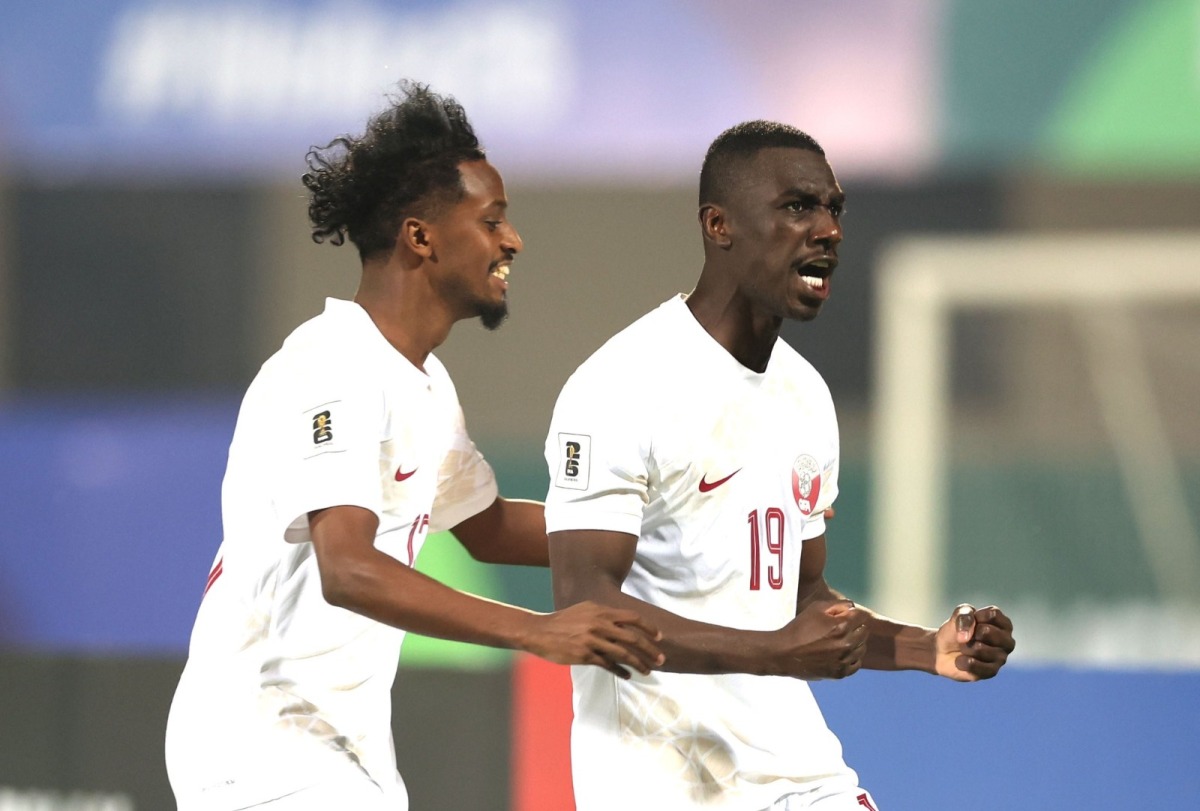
<point>827,231</point>
<point>512,242</point>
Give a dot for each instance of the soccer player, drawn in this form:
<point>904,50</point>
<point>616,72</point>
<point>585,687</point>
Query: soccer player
<point>349,449</point>
<point>692,459</point>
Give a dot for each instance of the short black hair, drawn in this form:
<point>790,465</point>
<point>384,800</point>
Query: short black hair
<point>405,164</point>
<point>740,143</point>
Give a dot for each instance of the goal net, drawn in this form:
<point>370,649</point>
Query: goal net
<point>1036,440</point>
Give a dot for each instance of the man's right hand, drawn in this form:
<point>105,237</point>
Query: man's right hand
<point>590,634</point>
<point>826,640</point>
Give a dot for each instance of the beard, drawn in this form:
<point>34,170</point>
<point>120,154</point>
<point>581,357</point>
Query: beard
<point>493,315</point>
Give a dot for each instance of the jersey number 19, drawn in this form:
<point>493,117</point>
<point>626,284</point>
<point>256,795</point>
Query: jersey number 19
<point>770,534</point>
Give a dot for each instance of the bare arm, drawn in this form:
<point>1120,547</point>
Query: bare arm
<point>358,577</point>
<point>592,564</point>
<point>973,644</point>
<point>509,531</point>
<point>890,645</point>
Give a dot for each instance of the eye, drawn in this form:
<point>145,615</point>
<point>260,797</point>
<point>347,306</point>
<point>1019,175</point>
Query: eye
<point>492,225</point>
<point>836,210</point>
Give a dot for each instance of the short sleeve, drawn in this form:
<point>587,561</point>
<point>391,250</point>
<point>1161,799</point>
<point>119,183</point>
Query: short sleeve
<point>596,459</point>
<point>826,482</point>
<point>466,483</point>
<point>328,446</point>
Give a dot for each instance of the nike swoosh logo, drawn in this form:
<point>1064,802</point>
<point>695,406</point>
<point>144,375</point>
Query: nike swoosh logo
<point>402,476</point>
<point>705,486</point>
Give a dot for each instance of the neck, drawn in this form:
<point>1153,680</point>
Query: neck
<point>404,309</point>
<point>732,321</point>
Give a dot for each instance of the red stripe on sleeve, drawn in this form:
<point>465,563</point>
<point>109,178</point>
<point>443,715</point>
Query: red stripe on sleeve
<point>214,574</point>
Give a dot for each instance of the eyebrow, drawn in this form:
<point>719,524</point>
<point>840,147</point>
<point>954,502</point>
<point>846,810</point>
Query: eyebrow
<point>810,194</point>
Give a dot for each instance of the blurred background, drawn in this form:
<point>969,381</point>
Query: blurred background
<point>1013,343</point>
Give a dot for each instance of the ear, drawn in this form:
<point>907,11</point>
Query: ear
<point>415,236</point>
<point>714,226</point>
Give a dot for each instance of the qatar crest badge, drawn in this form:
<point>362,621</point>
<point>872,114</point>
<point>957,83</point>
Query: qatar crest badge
<point>806,483</point>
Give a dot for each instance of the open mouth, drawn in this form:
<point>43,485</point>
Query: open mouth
<point>816,274</point>
<point>501,272</point>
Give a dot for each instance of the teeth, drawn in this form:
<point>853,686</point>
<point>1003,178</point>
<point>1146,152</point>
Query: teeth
<point>501,272</point>
<point>821,263</point>
<point>815,282</point>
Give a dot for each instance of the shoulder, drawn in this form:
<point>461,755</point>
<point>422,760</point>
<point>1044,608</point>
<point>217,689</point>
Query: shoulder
<point>799,374</point>
<point>795,365</point>
<point>318,337</point>
<point>435,369</point>
<point>439,377</point>
<point>320,355</point>
<point>627,357</point>
<point>615,384</point>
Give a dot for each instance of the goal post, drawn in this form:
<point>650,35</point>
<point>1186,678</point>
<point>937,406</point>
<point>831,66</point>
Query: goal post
<point>1095,280</point>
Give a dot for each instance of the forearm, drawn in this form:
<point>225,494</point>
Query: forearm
<point>891,645</point>
<point>895,645</point>
<point>690,646</point>
<point>377,586</point>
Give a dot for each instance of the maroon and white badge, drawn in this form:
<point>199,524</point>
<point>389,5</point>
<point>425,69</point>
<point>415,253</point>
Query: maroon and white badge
<point>806,483</point>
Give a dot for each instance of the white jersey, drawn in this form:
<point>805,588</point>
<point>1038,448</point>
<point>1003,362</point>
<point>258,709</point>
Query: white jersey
<point>722,473</point>
<point>282,690</point>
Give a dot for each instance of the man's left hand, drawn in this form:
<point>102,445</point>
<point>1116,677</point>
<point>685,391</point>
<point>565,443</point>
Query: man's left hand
<point>974,643</point>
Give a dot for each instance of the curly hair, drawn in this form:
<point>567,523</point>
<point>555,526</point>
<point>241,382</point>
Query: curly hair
<point>405,164</point>
<point>741,142</point>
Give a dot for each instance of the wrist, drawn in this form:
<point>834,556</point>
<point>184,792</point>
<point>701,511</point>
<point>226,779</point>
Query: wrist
<point>918,650</point>
<point>903,647</point>
<point>729,650</point>
<point>770,655</point>
<point>519,630</point>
